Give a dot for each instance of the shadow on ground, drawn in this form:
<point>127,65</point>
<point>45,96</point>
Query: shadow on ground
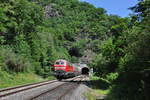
<point>94,84</point>
<point>97,84</point>
<point>100,84</point>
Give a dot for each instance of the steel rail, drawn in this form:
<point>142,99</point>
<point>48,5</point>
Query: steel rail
<point>14,92</point>
<point>71,89</point>
<point>32,98</point>
<point>16,87</point>
<point>43,93</point>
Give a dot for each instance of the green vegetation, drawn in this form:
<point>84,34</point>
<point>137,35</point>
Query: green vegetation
<point>100,88</point>
<point>8,80</point>
<point>100,85</point>
<point>124,57</point>
<point>34,33</point>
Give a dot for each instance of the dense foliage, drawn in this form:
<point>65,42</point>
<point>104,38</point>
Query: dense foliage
<point>124,57</point>
<point>34,33</point>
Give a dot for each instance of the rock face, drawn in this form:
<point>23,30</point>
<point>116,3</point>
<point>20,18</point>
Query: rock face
<point>50,11</point>
<point>87,57</point>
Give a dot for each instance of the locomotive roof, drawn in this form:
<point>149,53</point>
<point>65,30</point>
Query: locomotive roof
<point>61,60</point>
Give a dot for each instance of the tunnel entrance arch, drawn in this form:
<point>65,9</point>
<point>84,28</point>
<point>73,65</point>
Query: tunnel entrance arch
<point>85,71</point>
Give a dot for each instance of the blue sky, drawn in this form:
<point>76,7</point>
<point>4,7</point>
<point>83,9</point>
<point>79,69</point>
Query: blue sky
<point>117,7</point>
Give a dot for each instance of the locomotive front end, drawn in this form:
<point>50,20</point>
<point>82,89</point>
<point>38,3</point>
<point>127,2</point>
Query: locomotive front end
<point>60,69</point>
<point>63,69</point>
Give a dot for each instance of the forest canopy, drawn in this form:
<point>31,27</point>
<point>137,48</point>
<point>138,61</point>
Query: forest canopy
<point>35,33</point>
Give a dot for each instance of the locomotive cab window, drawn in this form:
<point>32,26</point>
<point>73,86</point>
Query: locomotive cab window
<point>61,63</point>
<point>57,63</point>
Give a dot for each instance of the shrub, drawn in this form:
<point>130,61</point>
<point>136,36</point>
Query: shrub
<point>13,62</point>
<point>111,77</point>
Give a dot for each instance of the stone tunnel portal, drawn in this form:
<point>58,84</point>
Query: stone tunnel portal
<point>85,71</point>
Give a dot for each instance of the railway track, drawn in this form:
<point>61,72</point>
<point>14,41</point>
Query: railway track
<point>19,91</point>
<point>73,86</point>
<point>59,92</point>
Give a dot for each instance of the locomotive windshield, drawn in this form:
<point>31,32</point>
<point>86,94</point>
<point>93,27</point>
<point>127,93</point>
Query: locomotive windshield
<point>59,63</point>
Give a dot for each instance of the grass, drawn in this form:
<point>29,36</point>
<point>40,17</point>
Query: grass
<point>94,95</point>
<point>10,80</point>
<point>100,85</point>
<point>100,88</point>
<point>90,96</point>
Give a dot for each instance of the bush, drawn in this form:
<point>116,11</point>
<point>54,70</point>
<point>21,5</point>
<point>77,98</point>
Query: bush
<point>111,77</point>
<point>13,62</point>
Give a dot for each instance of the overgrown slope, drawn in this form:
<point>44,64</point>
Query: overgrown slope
<point>34,33</point>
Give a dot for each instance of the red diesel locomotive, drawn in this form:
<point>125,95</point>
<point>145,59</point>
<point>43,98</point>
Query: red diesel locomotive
<point>64,69</point>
